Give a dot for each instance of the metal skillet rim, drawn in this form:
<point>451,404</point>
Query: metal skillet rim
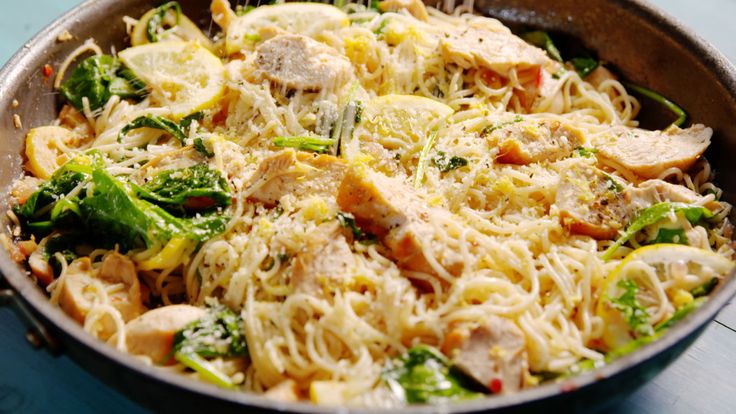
<point>29,291</point>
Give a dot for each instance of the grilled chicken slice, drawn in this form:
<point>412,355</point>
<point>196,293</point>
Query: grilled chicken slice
<point>490,47</point>
<point>325,260</point>
<point>415,7</point>
<point>649,153</point>
<point>298,173</point>
<point>386,207</point>
<point>152,334</point>
<point>656,191</point>
<point>299,62</point>
<point>590,202</point>
<point>81,279</point>
<point>492,351</point>
<point>531,141</point>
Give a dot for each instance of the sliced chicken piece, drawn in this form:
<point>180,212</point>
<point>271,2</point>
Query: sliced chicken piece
<point>600,75</point>
<point>71,118</point>
<point>152,334</point>
<point>656,191</point>
<point>299,62</point>
<point>533,141</point>
<point>299,173</point>
<point>40,266</point>
<point>286,390</point>
<point>590,202</point>
<point>494,48</point>
<point>400,217</point>
<point>649,153</point>
<point>325,260</point>
<point>120,281</point>
<point>493,352</point>
<point>415,7</point>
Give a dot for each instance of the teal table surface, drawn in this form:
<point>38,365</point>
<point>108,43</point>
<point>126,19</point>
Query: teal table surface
<point>703,380</point>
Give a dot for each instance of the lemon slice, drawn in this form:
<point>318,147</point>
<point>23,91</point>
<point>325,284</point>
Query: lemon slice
<point>186,30</point>
<point>185,77</point>
<point>681,267</point>
<point>45,149</point>
<point>407,118</point>
<point>308,19</point>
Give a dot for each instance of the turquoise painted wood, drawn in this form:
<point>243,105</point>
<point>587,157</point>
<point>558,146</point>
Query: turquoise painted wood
<point>31,381</point>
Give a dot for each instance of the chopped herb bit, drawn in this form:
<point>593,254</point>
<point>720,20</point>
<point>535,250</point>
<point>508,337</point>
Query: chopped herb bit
<point>316,144</point>
<point>423,375</point>
<point>358,112</point>
<point>636,316</point>
<point>586,152</point>
<point>446,164</point>
<point>494,127</point>
<point>613,184</point>
<point>242,10</point>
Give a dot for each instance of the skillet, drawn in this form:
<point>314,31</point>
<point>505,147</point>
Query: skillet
<point>643,45</point>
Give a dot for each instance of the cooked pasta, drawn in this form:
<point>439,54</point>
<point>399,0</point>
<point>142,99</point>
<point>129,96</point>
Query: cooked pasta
<point>340,204</point>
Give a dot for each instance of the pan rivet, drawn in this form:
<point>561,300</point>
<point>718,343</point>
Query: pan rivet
<point>33,338</point>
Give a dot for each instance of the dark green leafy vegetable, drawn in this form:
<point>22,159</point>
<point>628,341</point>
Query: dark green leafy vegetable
<point>98,78</point>
<point>705,288</point>
<point>180,187</point>
<point>665,235</point>
<point>491,128</point>
<point>586,152</point>
<point>218,334</point>
<point>636,316</point>
<point>156,22</point>
<point>446,164</point>
<point>584,65</point>
<point>654,214</point>
<point>673,107</point>
<point>107,212</point>
<point>155,122</point>
<point>305,143</point>
<point>423,375</point>
<point>348,221</point>
<point>201,148</point>
<point>542,40</point>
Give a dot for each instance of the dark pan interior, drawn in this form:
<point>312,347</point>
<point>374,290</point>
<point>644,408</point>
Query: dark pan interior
<point>643,45</point>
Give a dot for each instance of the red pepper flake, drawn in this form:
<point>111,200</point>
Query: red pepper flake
<point>47,70</point>
<point>496,385</point>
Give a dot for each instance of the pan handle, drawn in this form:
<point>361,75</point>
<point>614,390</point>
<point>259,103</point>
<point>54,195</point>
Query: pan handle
<point>36,334</point>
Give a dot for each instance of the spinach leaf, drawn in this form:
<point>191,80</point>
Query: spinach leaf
<point>584,65</point>
<point>156,22</point>
<point>155,122</point>
<point>446,164</point>
<point>542,40</point>
<point>636,316</point>
<point>195,188</point>
<point>665,235</point>
<point>348,221</point>
<point>62,182</point>
<point>705,288</point>
<point>423,375</point>
<point>671,106</point>
<point>316,144</point>
<point>654,214</point>
<point>201,148</point>
<point>218,334</point>
<point>98,78</point>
